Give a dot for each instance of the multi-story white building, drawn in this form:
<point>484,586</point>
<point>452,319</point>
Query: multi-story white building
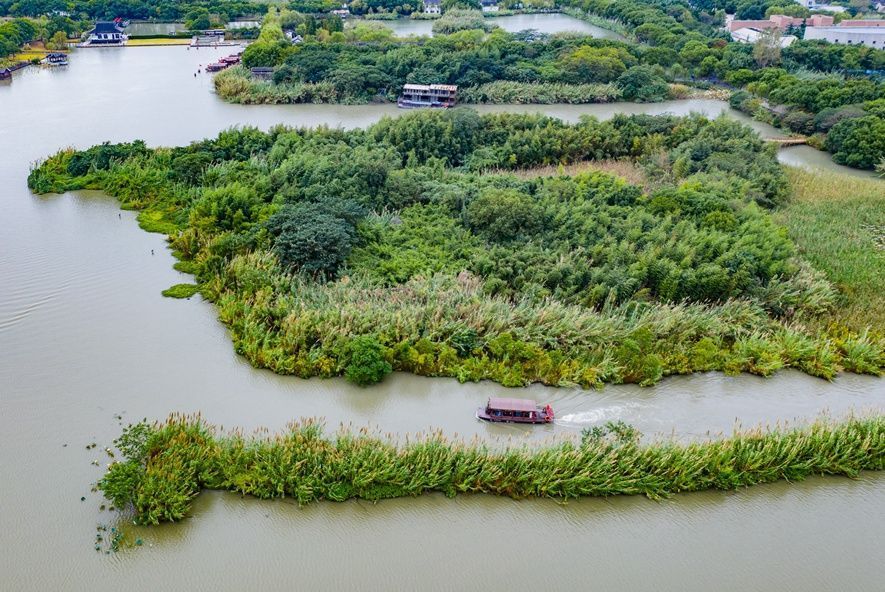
<point>866,36</point>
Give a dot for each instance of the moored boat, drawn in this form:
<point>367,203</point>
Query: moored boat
<point>5,74</point>
<point>56,59</point>
<point>439,96</point>
<point>515,411</point>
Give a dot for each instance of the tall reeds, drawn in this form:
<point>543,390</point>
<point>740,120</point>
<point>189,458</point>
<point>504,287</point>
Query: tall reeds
<point>512,92</point>
<point>167,464</point>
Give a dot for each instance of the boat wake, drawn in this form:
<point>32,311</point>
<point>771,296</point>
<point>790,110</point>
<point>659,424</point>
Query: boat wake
<point>625,412</point>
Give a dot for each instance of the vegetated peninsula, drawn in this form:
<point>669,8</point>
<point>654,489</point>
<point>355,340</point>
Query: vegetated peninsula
<point>446,243</point>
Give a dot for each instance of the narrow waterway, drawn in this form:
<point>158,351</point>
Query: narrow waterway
<point>85,336</point>
<point>549,23</point>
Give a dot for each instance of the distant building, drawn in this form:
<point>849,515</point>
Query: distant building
<point>782,22</point>
<point>490,5</point>
<point>106,33</point>
<point>867,36</point>
<point>749,35</point>
<point>869,23</point>
<point>814,5</point>
<point>262,73</point>
<point>342,12</point>
<point>432,7</point>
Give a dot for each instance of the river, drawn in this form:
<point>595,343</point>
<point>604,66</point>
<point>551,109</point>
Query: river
<point>86,336</point>
<point>549,23</point>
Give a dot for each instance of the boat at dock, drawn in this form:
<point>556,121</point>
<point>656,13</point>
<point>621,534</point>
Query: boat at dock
<point>515,411</point>
<point>227,62</point>
<point>56,59</point>
<point>440,96</point>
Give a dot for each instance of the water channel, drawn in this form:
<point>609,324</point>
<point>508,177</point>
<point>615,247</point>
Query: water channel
<point>86,336</point>
<point>549,23</point>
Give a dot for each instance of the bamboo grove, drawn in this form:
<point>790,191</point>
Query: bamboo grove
<point>409,246</point>
<point>165,465</point>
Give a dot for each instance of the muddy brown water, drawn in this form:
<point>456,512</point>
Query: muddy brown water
<point>86,336</point>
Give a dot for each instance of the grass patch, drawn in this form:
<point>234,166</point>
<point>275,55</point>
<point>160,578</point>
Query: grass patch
<point>190,267</point>
<point>167,464</point>
<point>155,221</point>
<point>838,224</point>
<point>627,169</point>
<point>181,291</point>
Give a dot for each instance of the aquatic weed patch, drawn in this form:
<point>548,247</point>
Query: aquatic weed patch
<point>167,464</point>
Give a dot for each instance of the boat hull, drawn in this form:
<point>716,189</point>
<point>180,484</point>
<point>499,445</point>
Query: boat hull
<point>542,417</point>
<point>412,105</point>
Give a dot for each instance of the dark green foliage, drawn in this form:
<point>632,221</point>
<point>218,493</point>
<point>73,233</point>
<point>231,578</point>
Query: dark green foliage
<point>310,239</point>
<point>167,10</point>
<point>14,34</point>
<point>103,156</point>
<point>366,364</point>
<point>412,232</point>
<point>188,168</point>
<point>642,84</point>
<point>858,142</point>
<point>184,455</point>
<point>502,215</point>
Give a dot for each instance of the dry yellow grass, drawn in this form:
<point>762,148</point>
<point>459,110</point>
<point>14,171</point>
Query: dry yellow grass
<point>28,55</point>
<point>626,169</point>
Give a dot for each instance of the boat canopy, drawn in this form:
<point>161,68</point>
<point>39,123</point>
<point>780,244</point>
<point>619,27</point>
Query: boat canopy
<point>513,404</point>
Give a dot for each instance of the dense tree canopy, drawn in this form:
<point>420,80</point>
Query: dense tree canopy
<point>409,246</point>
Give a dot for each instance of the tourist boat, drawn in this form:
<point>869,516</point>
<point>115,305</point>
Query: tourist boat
<point>5,74</point>
<point>56,59</point>
<point>439,96</point>
<point>216,67</point>
<point>515,411</point>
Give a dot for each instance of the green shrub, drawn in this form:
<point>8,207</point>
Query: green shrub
<point>366,363</point>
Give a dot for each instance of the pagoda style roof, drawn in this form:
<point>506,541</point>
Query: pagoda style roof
<point>106,27</point>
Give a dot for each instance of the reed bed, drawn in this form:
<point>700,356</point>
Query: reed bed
<point>237,86</point>
<point>295,326</point>
<point>624,168</point>
<point>511,92</point>
<point>167,464</point>
<point>849,249</point>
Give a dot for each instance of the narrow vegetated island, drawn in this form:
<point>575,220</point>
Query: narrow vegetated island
<point>433,243</point>
<point>167,464</point>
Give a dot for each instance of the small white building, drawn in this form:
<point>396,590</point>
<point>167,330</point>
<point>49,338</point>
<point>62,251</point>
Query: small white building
<point>106,33</point>
<point>748,35</point>
<point>490,5</point>
<point>867,36</point>
<point>432,7</point>
<point>815,5</point>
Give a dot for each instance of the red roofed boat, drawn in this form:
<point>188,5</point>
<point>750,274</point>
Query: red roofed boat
<point>515,411</point>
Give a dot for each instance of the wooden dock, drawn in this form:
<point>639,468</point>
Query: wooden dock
<point>784,142</point>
